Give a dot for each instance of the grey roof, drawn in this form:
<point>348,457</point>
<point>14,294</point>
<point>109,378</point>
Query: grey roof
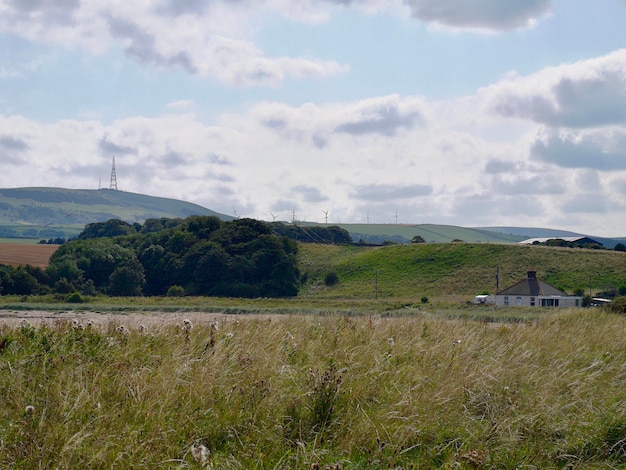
<point>531,286</point>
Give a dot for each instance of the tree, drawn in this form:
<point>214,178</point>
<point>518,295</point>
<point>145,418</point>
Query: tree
<point>111,228</point>
<point>127,280</point>
<point>418,239</point>
<point>620,247</point>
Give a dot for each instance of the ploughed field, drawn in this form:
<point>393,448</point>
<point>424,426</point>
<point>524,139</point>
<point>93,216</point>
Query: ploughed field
<point>15,254</point>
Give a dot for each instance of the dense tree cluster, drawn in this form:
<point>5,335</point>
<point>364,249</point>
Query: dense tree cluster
<point>198,255</point>
<point>312,233</point>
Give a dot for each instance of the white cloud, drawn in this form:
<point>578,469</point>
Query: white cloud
<point>494,15</point>
<point>589,93</point>
<point>204,38</point>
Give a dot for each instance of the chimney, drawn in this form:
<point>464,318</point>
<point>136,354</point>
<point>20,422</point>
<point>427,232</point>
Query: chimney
<point>532,274</point>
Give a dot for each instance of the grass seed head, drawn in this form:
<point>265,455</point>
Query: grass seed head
<point>200,454</point>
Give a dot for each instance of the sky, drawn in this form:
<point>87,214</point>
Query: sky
<point>461,112</point>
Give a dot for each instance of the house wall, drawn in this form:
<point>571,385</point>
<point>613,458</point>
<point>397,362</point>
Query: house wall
<point>538,301</point>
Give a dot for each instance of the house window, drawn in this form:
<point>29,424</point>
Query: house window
<point>549,302</point>
<point>506,300</point>
<point>532,301</point>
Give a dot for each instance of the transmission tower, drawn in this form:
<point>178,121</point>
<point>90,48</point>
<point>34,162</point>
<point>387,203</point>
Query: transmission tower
<point>113,177</point>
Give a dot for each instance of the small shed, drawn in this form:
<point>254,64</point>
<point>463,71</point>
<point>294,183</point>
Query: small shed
<point>533,292</point>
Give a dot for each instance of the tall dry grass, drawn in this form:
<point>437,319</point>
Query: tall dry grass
<point>309,392</point>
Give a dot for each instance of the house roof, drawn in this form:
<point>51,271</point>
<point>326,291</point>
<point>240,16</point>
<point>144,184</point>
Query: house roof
<point>531,286</point>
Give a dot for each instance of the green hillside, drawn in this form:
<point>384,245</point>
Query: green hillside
<point>378,233</point>
<point>454,270</point>
<point>56,212</point>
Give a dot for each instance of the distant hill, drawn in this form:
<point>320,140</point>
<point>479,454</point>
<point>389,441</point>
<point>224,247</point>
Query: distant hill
<point>57,212</point>
<point>431,233</point>
<point>534,232</point>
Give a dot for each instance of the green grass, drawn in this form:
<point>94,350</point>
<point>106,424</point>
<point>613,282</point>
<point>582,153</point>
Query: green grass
<point>296,391</point>
<point>432,233</point>
<point>454,271</point>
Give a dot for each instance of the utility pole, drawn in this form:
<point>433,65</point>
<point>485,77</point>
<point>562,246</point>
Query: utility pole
<point>497,279</point>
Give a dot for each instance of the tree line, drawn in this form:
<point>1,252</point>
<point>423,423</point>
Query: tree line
<point>199,255</point>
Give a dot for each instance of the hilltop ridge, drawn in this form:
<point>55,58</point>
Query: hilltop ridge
<point>41,212</point>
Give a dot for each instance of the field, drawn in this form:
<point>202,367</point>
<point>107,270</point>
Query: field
<point>359,374</point>
<point>420,388</point>
<point>15,254</point>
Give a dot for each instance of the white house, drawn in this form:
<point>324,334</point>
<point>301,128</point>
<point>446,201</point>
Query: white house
<point>533,292</point>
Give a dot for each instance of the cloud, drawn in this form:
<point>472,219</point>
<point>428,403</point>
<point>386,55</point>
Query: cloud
<point>543,184</point>
<point>585,94</point>
<point>593,203</point>
<point>12,149</point>
<point>8,142</point>
<point>56,12</point>
<point>386,192</point>
<point>495,15</point>
<point>600,151</point>
<point>384,120</point>
<point>496,166</point>
<point>309,193</point>
<point>218,159</point>
<point>384,116</point>
<point>205,38</point>
<point>107,147</point>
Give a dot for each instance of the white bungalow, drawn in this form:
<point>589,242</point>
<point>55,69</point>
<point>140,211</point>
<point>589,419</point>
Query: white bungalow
<point>533,292</point>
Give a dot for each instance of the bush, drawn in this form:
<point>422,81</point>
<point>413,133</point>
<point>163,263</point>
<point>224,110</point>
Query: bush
<point>618,305</point>
<point>424,300</point>
<point>331,278</point>
<point>175,291</point>
<point>75,298</point>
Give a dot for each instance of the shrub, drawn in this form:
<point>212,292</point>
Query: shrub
<point>175,291</point>
<point>618,305</point>
<point>75,298</point>
<point>424,300</point>
<point>331,278</point>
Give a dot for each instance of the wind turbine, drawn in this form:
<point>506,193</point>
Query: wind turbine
<point>326,216</point>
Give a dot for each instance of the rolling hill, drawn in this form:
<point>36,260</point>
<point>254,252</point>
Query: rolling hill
<point>453,270</point>
<point>431,233</point>
<point>44,213</point>
<point>56,212</point>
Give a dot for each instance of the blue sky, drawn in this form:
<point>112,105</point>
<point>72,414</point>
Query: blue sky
<point>473,113</point>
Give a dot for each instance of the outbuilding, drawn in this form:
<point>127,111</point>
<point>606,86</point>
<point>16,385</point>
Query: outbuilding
<point>533,292</point>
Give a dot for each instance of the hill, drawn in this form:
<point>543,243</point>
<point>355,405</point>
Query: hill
<point>534,232</point>
<point>454,270</point>
<point>431,233</point>
<point>56,212</point>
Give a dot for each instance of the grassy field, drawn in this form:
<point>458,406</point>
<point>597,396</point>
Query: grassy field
<point>361,374</point>
<point>453,270</point>
<point>312,391</point>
